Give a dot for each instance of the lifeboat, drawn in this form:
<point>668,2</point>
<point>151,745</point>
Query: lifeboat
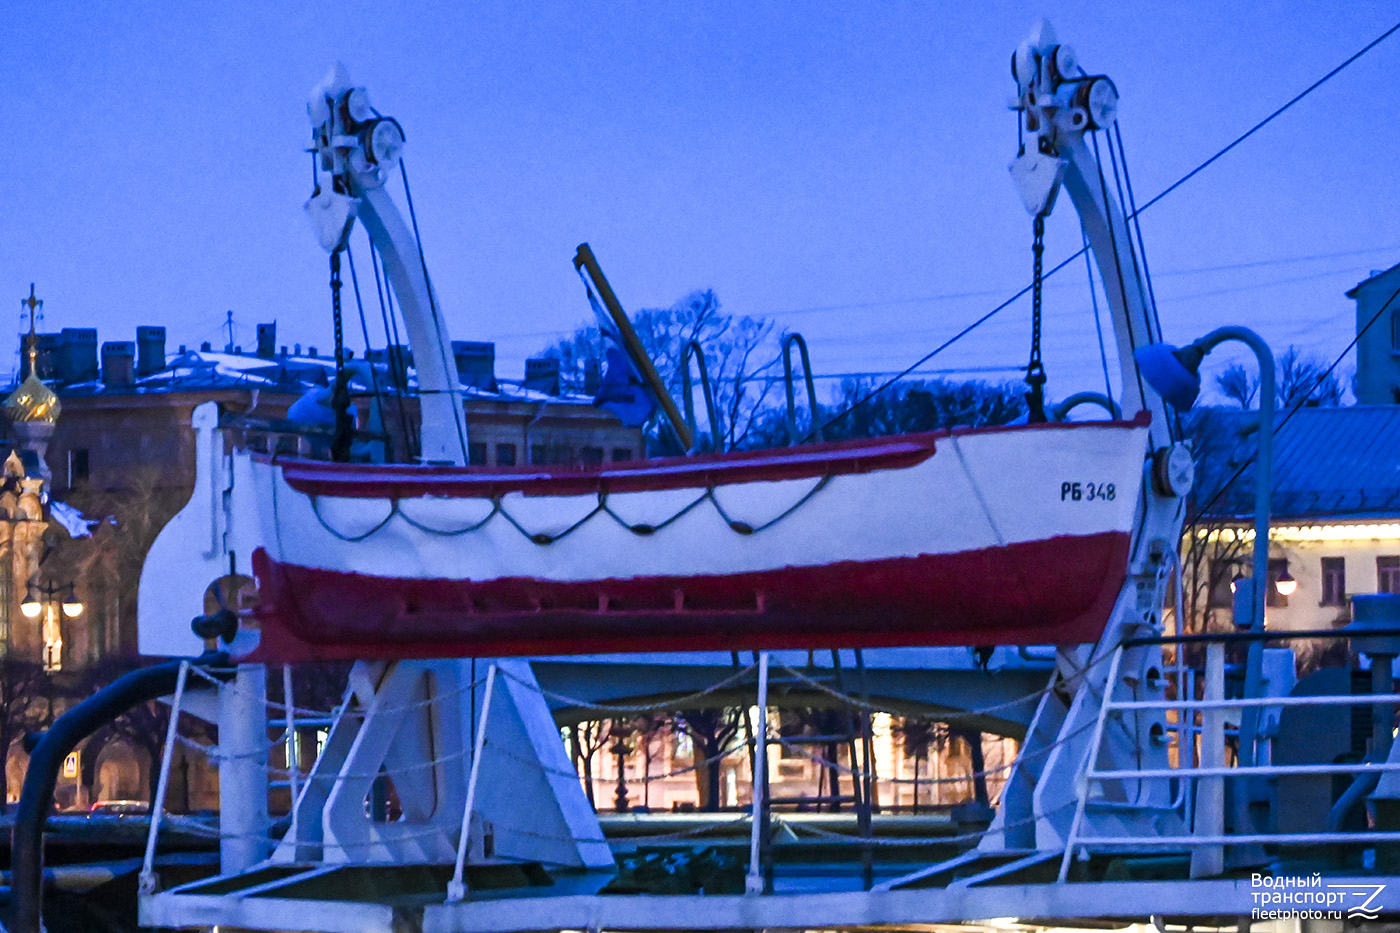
<point>1009,535</point>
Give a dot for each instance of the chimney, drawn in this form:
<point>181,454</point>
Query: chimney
<point>592,376</point>
<point>118,363</point>
<point>77,357</point>
<point>542,375</point>
<point>476,363</point>
<point>400,360</point>
<point>49,360</point>
<point>150,350</point>
<point>267,340</point>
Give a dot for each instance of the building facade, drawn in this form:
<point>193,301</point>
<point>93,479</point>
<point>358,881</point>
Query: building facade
<point>106,430</point>
<point>1335,514</point>
<point>1378,344</point>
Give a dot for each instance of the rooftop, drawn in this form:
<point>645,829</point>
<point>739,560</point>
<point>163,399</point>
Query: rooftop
<point>1329,463</point>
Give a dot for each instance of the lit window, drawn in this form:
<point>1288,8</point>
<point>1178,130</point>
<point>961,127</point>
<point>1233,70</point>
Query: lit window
<point>1334,581</point>
<point>1388,574</point>
<point>1222,573</point>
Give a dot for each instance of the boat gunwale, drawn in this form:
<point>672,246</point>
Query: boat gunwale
<point>830,458</point>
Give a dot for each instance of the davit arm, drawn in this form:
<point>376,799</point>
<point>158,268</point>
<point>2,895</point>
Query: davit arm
<point>355,149</point>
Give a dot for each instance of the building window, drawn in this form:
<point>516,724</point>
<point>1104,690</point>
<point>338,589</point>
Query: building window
<point>592,457</point>
<point>1388,574</point>
<point>1222,574</point>
<point>1334,581</point>
<point>505,455</point>
<point>77,466</point>
<point>476,453</point>
<point>621,453</point>
<point>1272,597</point>
<point>539,454</point>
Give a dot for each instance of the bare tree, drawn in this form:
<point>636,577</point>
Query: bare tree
<point>918,737</point>
<point>710,732</point>
<point>586,740</point>
<point>923,405</point>
<point>1299,380</point>
<point>739,350</point>
<point>1236,384</point>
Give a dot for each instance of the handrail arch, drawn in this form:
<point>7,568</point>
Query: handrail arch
<point>816,432</point>
<point>693,348</point>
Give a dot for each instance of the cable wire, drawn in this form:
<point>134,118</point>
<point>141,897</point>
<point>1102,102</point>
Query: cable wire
<point>1154,200</point>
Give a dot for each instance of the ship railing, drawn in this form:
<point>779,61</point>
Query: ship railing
<point>1200,737</point>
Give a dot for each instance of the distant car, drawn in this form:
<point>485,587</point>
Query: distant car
<point>120,808</point>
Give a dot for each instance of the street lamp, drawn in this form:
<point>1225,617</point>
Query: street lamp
<point>42,600</point>
<point>621,749</point>
<point>1175,374</point>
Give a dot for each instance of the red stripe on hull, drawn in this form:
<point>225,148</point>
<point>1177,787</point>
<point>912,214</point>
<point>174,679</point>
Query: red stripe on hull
<point>1056,591</point>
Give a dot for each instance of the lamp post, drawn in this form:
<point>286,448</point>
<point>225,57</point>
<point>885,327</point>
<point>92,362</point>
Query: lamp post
<point>1175,374</point>
<point>42,601</point>
<point>621,749</point>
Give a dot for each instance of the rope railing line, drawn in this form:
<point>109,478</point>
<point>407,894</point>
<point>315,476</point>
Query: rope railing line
<point>1023,755</point>
<point>691,833</point>
<point>951,715</point>
<point>817,759</point>
<point>352,709</point>
<point>794,826</point>
<point>214,753</point>
<point>662,706</point>
<point>641,529</point>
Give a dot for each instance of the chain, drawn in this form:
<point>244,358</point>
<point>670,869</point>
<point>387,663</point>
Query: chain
<point>1035,369</point>
<point>340,396</point>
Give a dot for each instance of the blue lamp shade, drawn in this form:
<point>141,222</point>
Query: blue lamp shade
<point>1171,372</point>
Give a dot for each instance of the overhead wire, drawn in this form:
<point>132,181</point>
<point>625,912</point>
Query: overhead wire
<point>394,360</point>
<point>459,416</point>
<point>1154,200</point>
<point>1098,325</point>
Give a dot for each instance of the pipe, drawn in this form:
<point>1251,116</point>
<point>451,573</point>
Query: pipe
<point>584,259</point>
<point>36,797</point>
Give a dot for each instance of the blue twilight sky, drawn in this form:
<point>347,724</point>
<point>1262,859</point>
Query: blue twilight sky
<point>837,166</point>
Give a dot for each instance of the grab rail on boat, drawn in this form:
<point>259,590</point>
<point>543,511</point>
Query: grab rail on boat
<point>816,432</point>
<point>693,348</point>
<point>1062,410</point>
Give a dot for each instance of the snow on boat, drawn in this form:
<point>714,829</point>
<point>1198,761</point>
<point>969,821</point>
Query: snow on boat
<point>988,536</point>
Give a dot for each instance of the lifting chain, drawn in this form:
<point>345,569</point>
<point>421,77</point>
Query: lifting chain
<point>340,395</point>
<point>1035,369</point>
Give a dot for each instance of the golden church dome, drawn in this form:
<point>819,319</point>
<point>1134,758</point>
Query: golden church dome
<point>32,401</point>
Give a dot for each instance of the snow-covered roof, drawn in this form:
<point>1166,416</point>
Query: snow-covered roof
<point>294,374</point>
